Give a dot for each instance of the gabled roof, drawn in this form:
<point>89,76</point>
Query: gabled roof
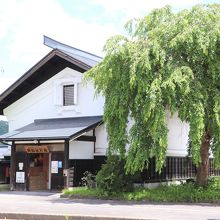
<point>88,58</point>
<point>54,129</point>
<point>60,57</point>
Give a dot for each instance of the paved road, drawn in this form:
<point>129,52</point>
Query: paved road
<point>51,203</point>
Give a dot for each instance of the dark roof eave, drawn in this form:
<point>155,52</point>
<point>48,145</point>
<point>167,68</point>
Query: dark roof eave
<point>77,134</point>
<point>36,138</point>
<point>72,60</point>
<point>27,74</point>
<point>37,66</point>
<point>71,137</point>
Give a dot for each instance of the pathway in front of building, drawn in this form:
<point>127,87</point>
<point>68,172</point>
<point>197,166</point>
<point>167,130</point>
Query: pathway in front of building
<point>43,203</point>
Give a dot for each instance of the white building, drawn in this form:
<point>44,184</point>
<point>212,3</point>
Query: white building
<point>55,122</point>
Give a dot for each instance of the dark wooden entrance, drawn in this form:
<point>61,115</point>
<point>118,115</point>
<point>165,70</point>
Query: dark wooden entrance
<point>20,167</point>
<point>38,173</point>
<point>57,178</point>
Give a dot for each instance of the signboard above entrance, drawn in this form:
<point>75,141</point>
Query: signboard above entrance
<point>36,149</point>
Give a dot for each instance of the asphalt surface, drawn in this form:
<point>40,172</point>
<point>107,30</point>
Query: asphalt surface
<point>44,203</point>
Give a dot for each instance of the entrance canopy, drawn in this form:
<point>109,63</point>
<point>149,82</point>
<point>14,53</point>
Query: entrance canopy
<point>54,129</point>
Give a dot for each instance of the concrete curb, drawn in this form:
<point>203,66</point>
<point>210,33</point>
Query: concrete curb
<point>18,216</point>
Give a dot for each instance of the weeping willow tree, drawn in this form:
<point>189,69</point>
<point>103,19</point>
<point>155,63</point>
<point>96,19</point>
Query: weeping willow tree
<point>168,61</point>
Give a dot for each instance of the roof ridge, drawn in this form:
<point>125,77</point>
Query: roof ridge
<point>54,44</point>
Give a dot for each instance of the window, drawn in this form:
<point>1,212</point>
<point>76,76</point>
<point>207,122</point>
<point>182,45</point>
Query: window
<point>68,95</point>
<point>66,92</point>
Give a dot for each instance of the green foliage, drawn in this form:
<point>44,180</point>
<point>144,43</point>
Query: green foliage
<point>186,192</point>
<point>81,192</point>
<point>176,193</point>
<point>168,62</point>
<point>112,179</point>
<point>88,180</point>
<point>4,187</point>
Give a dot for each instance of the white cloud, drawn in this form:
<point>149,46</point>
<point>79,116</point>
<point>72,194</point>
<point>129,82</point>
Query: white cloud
<point>137,8</point>
<point>6,82</point>
<point>7,9</point>
<point>24,22</point>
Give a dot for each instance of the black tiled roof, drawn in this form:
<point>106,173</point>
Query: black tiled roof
<point>54,129</point>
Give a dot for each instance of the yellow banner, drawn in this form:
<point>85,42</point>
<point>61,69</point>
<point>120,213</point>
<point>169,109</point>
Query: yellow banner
<point>36,149</point>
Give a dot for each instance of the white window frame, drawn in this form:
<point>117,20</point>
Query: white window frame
<point>75,93</point>
<point>58,93</point>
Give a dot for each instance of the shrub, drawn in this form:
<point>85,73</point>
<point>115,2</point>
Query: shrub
<point>88,180</point>
<point>185,192</point>
<point>112,178</point>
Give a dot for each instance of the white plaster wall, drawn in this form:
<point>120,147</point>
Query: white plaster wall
<point>41,103</point>
<point>177,136</point>
<point>101,144</point>
<point>81,150</point>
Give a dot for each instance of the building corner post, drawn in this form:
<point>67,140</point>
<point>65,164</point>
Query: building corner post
<point>12,167</point>
<point>66,163</point>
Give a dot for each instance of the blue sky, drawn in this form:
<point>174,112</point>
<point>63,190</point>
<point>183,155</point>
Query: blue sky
<point>85,24</point>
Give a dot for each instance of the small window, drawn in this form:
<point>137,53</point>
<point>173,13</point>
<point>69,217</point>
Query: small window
<point>68,95</point>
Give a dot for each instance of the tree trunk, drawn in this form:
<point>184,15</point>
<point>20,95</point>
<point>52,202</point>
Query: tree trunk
<point>203,168</point>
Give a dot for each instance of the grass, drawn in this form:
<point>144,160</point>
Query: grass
<point>182,193</point>
<point>4,187</point>
<point>82,192</point>
<point>187,192</point>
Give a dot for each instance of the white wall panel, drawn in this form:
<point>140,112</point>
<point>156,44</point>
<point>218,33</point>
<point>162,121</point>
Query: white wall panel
<point>81,150</point>
<point>44,101</point>
<point>101,140</point>
<point>177,136</point>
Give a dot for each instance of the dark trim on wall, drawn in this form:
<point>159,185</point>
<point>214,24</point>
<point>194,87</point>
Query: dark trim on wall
<point>93,133</point>
<point>12,167</point>
<point>80,166</point>
<point>66,154</point>
<point>37,139</point>
<point>87,138</point>
<point>47,67</point>
<point>177,168</point>
<point>99,160</point>
<point>89,128</point>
